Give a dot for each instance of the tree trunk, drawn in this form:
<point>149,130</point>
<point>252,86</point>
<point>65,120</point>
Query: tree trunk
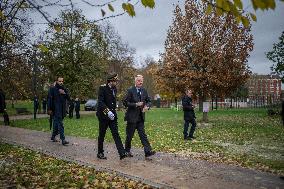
<point>205,117</point>
<point>205,114</point>
<point>216,102</point>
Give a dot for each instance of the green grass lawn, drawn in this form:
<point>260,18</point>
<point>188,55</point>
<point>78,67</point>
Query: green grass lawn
<point>28,104</point>
<point>22,168</point>
<point>19,104</point>
<point>246,137</point>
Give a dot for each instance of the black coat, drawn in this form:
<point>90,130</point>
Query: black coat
<point>77,105</point>
<point>2,102</point>
<point>106,102</point>
<point>188,108</point>
<point>56,102</point>
<point>131,98</point>
<point>36,103</point>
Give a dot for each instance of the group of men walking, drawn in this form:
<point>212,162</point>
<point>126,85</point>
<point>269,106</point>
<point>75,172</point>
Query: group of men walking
<point>137,102</point>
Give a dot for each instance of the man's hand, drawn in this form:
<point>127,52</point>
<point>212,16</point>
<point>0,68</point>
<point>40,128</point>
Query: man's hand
<point>61,91</point>
<point>146,108</point>
<point>138,104</point>
<point>110,115</point>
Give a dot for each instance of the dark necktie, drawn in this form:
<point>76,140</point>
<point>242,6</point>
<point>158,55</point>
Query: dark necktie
<point>139,94</point>
<point>113,92</point>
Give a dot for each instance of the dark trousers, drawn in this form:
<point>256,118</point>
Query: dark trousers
<point>6,118</point>
<point>35,111</point>
<point>130,130</point>
<point>77,114</point>
<point>58,128</point>
<point>103,125</point>
<point>70,113</point>
<point>192,129</point>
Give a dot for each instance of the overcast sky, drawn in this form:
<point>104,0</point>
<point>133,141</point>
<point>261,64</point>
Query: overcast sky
<point>147,31</point>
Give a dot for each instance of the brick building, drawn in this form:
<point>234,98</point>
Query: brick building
<point>264,89</point>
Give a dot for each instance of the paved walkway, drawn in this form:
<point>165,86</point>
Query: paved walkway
<point>164,170</point>
<point>31,116</point>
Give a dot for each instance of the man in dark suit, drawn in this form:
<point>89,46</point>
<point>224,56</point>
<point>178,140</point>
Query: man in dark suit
<point>106,113</point>
<point>77,108</point>
<point>137,103</point>
<point>36,105</point>
<point>189,115</point>
<point>71,107</point>
<point>56,106</point>
<point>3,108</point>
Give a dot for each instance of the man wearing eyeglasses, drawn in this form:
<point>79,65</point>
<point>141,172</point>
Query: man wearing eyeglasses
<point>137,103</point>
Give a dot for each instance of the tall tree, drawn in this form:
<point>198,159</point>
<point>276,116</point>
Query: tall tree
<point>76,52</point>
<point>120,56</point>
<point>277,57</point>
<point>205,52</point>
<point>14,49</point>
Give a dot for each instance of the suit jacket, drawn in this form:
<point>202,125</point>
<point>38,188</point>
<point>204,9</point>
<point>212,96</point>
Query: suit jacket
<point>106,102</point>
<point>188,108</point>
<point>56,102</point>
<point>2,102</point>
<point>131,98</point>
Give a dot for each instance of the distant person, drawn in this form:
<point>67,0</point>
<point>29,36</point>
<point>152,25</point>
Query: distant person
<point>107,116</point>
<point>36,105</point>
<point>282,110</point>
<point>44,103</point>
<point>137,103</point>
<point>3,109</point>
<point>189,115</point>
<point>71,107</point>
<point>56,106</point>
<point>77,108</point>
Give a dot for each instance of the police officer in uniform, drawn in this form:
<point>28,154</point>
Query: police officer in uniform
<point>189,115</point>
<point>106,113</point>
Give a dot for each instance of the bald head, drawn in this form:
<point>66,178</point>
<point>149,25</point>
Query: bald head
<point>139,80</point>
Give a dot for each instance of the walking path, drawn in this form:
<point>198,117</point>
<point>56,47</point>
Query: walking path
<point>31,116</point>
<point>164,170</point>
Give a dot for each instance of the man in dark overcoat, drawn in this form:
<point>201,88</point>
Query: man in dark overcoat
<point>56,106</point>
<point>77,108</point>
<point>189,115</point>
<point>71,107</point>
<point>107,116</point>
<point>137,103</point>
<point>36,105</point>
<point>3,108</point>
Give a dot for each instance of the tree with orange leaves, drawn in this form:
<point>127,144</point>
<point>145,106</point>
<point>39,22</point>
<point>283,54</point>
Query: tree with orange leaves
<point>205,52</point>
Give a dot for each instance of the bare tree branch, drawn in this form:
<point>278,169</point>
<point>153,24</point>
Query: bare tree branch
<point>98,5</point>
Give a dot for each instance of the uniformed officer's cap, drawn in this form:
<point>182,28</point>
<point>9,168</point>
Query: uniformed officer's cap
<point>112,77</point>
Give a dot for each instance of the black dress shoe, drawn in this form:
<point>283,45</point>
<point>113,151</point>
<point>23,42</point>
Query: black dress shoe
<point>129,154</point>
<point>122,156</point>
<point>148,154</point>
<point>64,142</point>
<point>54,140</point>
<point>101,156</point>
